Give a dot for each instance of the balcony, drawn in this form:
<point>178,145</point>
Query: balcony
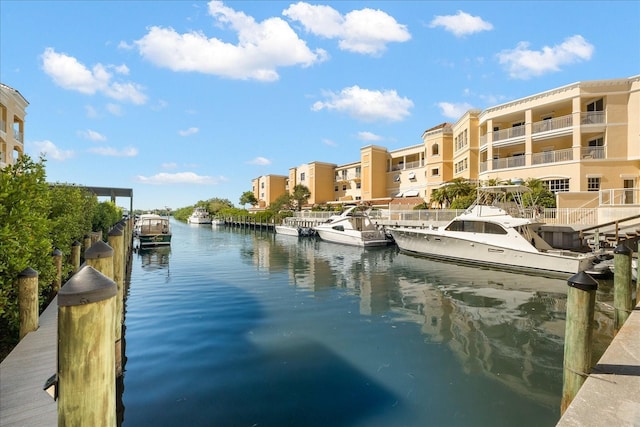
<point>504,134</point>
<point>503,163</point>
<point>552,156</point>
<point>599,152</point>
<point>592,118</point>
<point>555,124</point>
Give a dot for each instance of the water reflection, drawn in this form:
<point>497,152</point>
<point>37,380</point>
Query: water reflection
<point>506,326</point>
<point>152,259</point>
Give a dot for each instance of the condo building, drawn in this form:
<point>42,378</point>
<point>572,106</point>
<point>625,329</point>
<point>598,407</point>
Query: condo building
<point>12,114</point>
<point>582,140</point>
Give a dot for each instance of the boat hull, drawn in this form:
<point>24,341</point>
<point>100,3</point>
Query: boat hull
<point>154,240</point>
<point>364,239</point>
<point>432,244</point>
<point>288,230</point>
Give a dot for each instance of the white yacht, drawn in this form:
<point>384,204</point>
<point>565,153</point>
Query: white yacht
<point>199,216</point>
<point>353,227</point>
<point>487,234</point>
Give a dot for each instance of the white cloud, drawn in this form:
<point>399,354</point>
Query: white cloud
<point>187,132</point>
<point>365,31</point>
<point>461,24</point>
<point>114,109</point>
<point>367,105</point>
<point>180,178</point>
<point>170,165</point>
<point>68,73</point>
<point>523,63</point>
<point>110,151</point>
<point>91,111</point>
<point>369,136</point>
<point>91,135</point>
<point>261,48</point>
<point>454,111</point>
<point>259,161</point>
<point>48,149</point>
<point>329,142</point>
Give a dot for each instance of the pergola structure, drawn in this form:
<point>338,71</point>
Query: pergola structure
<point>113,193</point>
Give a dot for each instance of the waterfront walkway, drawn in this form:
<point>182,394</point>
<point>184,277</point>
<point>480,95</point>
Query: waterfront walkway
<point>611,394</point>
<point>23,373</point>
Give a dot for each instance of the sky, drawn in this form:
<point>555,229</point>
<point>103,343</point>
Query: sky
<point>184,101</point>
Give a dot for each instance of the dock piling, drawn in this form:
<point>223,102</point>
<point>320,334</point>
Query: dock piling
<point>86,380</point>
<point>28,301</point>
<point>622,287</point>
<point>581,301</point>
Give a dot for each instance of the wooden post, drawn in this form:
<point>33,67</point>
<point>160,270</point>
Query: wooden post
<point>28,300</point>
<point>622,290</point>
<point>57,260</point>
<point>115,239</point>
<point>86,383</point>
<point>100,257</point>
<point>581,302</point>
<point>75,256</point>
<point>87,242</point>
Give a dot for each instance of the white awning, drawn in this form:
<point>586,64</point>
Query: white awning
<point>398,195</point>
<point>411,193</point>
<point>412,175</point>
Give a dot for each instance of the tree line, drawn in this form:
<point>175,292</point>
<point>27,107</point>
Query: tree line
<point>37,217</point>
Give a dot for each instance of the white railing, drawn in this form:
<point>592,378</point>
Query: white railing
<point>552,156</point>
<point>552,124</point>
<point>513,132</point>
<point>594,152</point>
<point>508,162</point>
<point>580,216</point>
<point>592,118</point>
<point>619,196</point>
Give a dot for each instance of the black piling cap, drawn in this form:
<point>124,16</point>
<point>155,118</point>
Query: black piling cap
<point>98,250</point>
<point>28,272</point>
<point>622,249</point>
<point>56,252</point>
<point>115,231</point>
<point>582,281</point>
<point>85,287</point>
<point>76,243</point>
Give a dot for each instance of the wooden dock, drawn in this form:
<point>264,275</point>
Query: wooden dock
<point>611,393</point>
<point>23,373</point>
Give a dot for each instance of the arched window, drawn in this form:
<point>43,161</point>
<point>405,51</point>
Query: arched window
<point>435,150</point>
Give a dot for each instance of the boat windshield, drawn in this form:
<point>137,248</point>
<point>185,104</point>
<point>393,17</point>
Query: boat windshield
<point>476,227</point>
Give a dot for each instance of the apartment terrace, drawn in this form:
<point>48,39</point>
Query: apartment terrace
<point>514,140</point>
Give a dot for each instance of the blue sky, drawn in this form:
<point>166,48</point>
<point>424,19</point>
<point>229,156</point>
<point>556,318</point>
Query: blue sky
<point>185,101</point>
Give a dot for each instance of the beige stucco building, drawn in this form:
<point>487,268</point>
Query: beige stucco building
<point>12,114</point>
<point>582,140</point>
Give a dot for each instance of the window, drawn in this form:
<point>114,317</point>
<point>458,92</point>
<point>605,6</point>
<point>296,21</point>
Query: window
<point>593,183</point>
<point>262,185</point>
<point>335,188</point>
<point>358,185</point>
<point>435,150</point>
<point>557,185</point>
<point>435,172</point>
<point>302,176</point>
<point>598,142</point>
<point>344,187</point>
<point>597,105</point>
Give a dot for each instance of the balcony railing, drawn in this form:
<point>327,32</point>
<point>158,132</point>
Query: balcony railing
<point>508,162</point>
<point>599,152</point>
<point>407,165</point>
<point>18,136</point>
<point>620,196</point>
<point>513,132</point>
<point>552,124</point>
<point>347,177</point>
<point>552,156</point>
<point>592,118</point>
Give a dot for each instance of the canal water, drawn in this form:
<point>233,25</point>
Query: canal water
<point>233,327</point>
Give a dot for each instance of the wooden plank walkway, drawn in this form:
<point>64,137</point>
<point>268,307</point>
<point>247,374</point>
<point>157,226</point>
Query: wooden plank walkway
<point>23,373</point>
